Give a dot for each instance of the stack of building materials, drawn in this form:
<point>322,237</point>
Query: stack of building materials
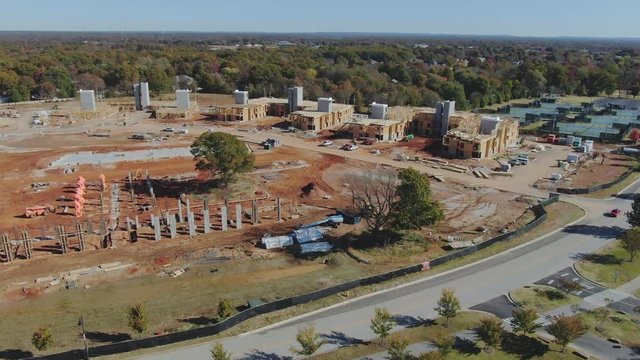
<point>276,242</point>
<point>573,158</point>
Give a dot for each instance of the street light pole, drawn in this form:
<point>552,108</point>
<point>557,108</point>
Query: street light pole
<point>84,338</point>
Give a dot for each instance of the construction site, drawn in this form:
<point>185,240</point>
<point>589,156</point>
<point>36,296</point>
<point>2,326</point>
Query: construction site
<point>103,208</point>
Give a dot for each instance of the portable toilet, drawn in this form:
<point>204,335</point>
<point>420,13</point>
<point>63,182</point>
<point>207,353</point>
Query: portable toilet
<point>576,142</point>
<point>573,158</point>
<point>588,146</point>
<point>570,139</point>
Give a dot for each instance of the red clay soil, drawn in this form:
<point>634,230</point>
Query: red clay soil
<point>592,173</point>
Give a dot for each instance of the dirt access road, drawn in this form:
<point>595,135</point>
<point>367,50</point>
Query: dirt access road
<point>519,184</point>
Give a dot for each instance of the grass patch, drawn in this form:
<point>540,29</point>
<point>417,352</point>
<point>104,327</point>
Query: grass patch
<point>607,193</point>
<point>542,298</point>
<point>616,326</point>
<point>609,266</point>
<point>512,347</point>
<point>427,332</point>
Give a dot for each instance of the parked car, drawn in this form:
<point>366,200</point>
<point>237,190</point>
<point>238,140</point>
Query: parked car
<point>168,129</point>
<point>327,143</point>
<point>615,213</point>
<point>351,147</point>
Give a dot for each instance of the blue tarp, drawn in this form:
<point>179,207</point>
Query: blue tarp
<point>315,247</point>
<point>336,219</point>
<point>274,242</point>
<point>308,235</point>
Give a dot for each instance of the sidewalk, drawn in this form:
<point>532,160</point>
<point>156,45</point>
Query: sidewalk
<point>631,287</point>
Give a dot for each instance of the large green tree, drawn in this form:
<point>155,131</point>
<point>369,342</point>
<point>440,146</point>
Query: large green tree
<point>630,242</point>
<point>633,216</point>
<point>414,207</point>
<point>224,155</point>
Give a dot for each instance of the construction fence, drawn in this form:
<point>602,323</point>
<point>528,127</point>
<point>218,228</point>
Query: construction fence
<point>594,188</point>
<point>131,345</point>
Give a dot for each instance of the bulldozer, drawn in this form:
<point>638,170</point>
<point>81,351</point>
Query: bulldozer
<point>39,210</point>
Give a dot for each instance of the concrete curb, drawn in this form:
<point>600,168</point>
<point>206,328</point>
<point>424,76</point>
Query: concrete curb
<point>584,278</point>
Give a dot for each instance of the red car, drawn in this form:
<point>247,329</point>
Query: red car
<point>615,213</point>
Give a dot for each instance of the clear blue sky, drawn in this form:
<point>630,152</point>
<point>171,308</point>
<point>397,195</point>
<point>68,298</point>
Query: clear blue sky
<point>612,18</point>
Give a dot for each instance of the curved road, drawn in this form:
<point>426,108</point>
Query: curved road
<point>474,284</point>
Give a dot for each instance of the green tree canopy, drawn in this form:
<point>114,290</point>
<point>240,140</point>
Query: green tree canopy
<point>630,242</point>
<point>137,318</point>
<point>448,305</point>
<point>525,320</point>
<point>414,207</point>
<point>490,332</point>
<point>309,340</point>
<point>224,155</point>
<point>42,339</point>
<point>382,323</point>
<point>219,353</point>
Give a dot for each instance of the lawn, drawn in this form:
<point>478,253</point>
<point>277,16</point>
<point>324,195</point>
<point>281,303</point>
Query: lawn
<point>616,326</point>
<point>513,347</point>
<point>609,266</point>
<point>542,298</point>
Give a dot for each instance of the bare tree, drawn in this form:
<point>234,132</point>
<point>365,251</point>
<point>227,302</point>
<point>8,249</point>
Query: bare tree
<point>373,195</point>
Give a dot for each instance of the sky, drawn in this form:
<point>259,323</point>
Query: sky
<point>602,18</point>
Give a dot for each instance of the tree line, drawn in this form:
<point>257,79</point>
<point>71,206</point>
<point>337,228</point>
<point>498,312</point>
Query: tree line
<point>475,74</point>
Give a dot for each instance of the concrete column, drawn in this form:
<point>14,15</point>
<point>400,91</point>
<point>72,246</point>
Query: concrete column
<point>279,209</point>
<point>156,228</point>
<point>255,216</point>
<point>137,223</point>
<point>192,224</point>
<point>180,219</point>
<point>238,216</point>
<point>167,215</point>
<point>207,221</point>
<point>188,207</point>
<point>128,222</point>
<point>225,222</point>
<point>173,232</point>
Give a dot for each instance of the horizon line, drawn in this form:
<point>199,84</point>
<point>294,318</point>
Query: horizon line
<point>329,33</point>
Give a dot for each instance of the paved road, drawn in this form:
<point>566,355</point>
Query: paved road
<point>474,284</point>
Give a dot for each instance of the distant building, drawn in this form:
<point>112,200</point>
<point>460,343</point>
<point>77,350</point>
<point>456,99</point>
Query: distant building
<point>295,98</point>
<point>379,111</point>
<point>480,143</point>
<point>381,130</point>
<point>182,99</point>
<point>141,95</point>
<point>444,110</point>
<point>241,97</point>
<point>312,119</point>
<point>87,100</point>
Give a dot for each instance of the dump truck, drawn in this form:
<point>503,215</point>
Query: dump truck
<point>39,210</point>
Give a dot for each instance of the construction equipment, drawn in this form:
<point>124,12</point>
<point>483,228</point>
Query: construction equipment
<point>39,210</point>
